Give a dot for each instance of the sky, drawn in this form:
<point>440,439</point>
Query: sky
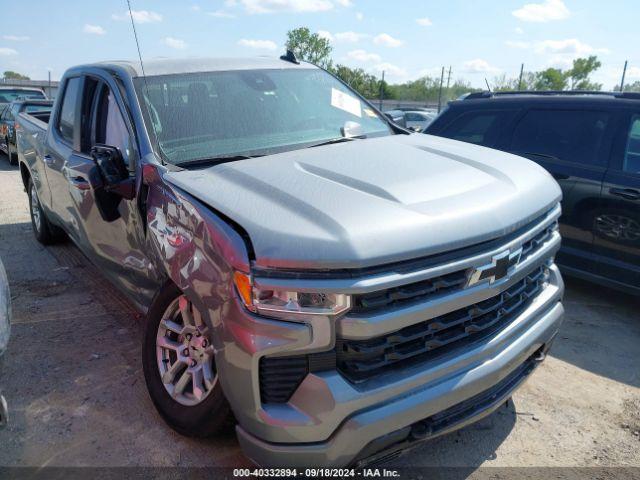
<point>406,38</point>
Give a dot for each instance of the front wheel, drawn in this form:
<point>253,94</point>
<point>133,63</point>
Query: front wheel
<point>179,367</point>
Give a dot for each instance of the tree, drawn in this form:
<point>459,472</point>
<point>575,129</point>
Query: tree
<point>579,73</point>
<point>629,87</point>
<point>9,75</point>
<point>550,79</point>
<point>310,47</point>
<point>505,84</point>
<point>364,83</point>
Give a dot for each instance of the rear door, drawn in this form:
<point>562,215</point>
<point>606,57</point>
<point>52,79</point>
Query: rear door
<point>63,145</point>
<point>616,224</point>
<point>573,144</point>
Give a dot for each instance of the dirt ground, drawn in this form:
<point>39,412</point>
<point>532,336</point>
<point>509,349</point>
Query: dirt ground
<point>73,377</point>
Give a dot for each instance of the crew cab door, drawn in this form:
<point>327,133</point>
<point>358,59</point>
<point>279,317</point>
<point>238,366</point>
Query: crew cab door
<point>616,224</point>
<point>573,145</point>
<point>114,245</point>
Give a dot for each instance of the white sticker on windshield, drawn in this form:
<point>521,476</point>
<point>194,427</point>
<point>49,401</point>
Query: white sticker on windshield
<point>345,102</point>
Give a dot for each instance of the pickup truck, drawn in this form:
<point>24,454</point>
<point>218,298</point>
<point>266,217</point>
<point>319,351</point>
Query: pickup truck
<point>9,94</point>
<point>7,123</point>
<point>344,288</point>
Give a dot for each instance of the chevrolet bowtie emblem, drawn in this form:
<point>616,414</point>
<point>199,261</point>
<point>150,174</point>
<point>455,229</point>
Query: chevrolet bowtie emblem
<point>497,269</point>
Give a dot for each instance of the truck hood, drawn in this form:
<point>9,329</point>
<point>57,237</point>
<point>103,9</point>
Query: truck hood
<point>373,201</point>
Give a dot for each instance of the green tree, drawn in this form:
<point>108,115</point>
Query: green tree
<point>310,47</point>
<point>630,87</point>
<point>550,79</point>
<point>364,83</point>
<point>505,84</point>
<point>579,73</point>
<point>9,75</point>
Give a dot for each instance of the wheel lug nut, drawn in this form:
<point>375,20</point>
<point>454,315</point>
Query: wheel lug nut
<point>193,363</point>
<point>188,336</point>
<point>185,352</point>
<point>204,343</point>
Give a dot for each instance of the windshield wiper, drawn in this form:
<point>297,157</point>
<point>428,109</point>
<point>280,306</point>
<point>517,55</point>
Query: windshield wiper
<point>198,162</point>
<point>536,154</point>
<point>337,140</point>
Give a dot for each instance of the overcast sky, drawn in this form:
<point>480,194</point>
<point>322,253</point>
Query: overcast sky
<point>406,38</point>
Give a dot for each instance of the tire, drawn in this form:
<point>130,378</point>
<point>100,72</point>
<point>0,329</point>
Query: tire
<point>45,232</point>
<point>208,416</point>
<point>11,155</point>
<point>616,225</point>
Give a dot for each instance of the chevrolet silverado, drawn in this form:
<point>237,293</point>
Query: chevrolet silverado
<point>342,287</point>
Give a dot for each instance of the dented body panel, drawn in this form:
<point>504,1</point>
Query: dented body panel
<point>362,218</point>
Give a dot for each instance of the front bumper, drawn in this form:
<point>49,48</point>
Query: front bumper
<point>330,421</point>
<point>364,427</point>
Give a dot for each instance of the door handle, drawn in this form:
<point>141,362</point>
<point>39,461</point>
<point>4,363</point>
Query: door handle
<point>47,159</point>
<point>560,176</point>
<point>80,183</point>
<point>628,193</point>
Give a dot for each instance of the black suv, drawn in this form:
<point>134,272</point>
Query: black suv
<point>590,143</point>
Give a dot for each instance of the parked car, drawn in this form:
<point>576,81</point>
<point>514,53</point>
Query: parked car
<point>417,120</point>
<point>5,330</point>
<point>7,123</point>
<point>9,94</point>
<point>346,296</point>
<point>590,143</point>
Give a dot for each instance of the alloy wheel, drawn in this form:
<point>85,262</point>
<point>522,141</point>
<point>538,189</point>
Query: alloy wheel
<point>35,209</point>
<point>618,227</point>
<point>184,353</point>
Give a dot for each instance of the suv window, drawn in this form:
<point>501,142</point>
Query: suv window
<point>632,153</point>
<point>481,127</point>
<point>67,118</point>
<point>571,135</point>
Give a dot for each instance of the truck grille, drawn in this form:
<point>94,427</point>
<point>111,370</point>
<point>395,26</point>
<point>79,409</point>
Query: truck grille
<point>422,291</point>
<point>360,360</point>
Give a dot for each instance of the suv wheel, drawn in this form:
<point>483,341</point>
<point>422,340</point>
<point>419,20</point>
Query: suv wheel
<point>620,226</point>
<point>45,232</point>
<point>179,367</point>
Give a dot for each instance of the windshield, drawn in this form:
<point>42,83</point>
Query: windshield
<point>8,96</point>
<point>251,112</point>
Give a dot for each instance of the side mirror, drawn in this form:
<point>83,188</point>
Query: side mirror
<point>113,171</point>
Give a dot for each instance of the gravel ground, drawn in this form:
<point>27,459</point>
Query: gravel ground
<point>73,377</point>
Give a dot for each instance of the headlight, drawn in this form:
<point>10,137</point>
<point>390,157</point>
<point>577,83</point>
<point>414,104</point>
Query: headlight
<point>288,304</point>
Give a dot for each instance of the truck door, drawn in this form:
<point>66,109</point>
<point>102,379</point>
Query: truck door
<point>573,145</point>
<point>616,224</point>
<point>63,146</point>
<point>115,246</point>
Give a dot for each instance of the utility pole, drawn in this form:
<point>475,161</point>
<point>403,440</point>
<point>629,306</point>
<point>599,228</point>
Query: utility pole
<point>521,73</point>
<point>49,72</point>
<point>448,81</point>
<point>440,93</point>
<point>487,82</point>
<point>624,73</point>
<point>381,90</point>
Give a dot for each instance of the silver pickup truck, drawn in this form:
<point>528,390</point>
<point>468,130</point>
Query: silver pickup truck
<point>345,288</point>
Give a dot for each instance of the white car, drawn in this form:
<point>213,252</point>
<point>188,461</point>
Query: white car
<point>419,120</point>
